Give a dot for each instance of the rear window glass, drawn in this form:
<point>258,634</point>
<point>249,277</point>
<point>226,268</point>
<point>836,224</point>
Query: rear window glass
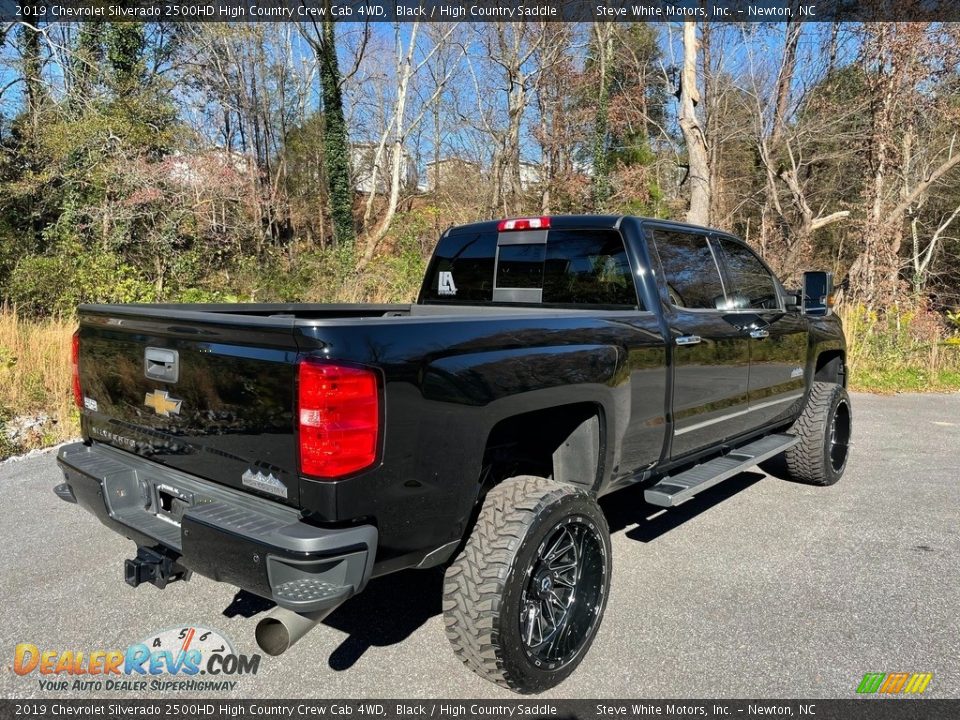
<point>574,267</point>
<point>521,266</point>
<point>462,268</point>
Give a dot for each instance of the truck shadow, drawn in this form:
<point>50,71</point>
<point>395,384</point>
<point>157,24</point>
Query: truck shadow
<point>388,611</point>
<point>393,607</point>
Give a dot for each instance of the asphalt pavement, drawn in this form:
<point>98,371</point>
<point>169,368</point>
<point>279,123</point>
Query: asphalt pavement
<point>757,588</point>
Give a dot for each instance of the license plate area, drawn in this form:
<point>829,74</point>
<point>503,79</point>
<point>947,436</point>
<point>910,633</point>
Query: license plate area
<point>171,503</point>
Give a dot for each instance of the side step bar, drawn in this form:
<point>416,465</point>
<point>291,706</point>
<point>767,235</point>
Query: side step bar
<point>671,491</point>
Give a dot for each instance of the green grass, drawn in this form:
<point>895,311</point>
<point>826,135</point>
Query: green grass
<point>904,379</point>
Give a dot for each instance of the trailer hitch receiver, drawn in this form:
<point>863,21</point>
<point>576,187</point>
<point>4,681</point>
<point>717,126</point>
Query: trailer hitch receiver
<point>153,566</point>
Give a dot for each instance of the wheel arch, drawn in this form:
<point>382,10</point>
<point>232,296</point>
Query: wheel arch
<point>566,442</point>
<point>831,366</point>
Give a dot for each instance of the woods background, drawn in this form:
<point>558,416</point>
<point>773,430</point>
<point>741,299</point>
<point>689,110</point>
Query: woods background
<point>320,162</point>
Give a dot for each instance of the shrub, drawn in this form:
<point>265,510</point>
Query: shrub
<point>53,285</point>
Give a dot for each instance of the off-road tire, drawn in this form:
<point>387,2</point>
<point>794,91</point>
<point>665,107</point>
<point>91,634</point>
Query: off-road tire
<point>484,585</point>
<point>812,460</point>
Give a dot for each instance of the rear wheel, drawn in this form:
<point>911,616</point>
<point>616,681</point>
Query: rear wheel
<point>523,601</point>
<point>824,429</point>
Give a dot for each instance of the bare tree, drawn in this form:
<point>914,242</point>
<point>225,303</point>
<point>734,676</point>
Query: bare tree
<point>900,61</point>
<point>559,130</point>
<point>401,125</point>
<point>501,110</point>
<point>921,256</point>
<point>791,146</point>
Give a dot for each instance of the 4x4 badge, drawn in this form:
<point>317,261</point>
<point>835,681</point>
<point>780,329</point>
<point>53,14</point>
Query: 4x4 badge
<point>162,403</point>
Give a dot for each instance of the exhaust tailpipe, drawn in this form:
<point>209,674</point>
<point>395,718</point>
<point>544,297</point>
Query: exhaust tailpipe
<point>279,630</point>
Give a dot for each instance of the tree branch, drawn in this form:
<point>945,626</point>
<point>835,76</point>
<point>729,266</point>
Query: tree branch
<point>825,220</point>
<point>922,187</point>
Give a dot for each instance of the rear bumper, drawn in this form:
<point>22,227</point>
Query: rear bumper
<point>260,546</point>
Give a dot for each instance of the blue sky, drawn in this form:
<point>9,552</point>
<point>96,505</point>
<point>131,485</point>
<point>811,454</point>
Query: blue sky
<point>739,52</point>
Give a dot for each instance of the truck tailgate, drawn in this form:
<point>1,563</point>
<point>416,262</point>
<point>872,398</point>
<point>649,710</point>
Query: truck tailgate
<point>208,394</point>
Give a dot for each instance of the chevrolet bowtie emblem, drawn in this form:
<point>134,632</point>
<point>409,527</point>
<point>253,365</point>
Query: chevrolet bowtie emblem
<point>162,403</point>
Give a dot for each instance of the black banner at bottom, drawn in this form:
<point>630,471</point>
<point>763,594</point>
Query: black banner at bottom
<point>852,709</point>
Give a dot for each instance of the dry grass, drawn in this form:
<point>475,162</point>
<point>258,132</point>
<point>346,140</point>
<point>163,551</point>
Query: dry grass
<point>35,383</point>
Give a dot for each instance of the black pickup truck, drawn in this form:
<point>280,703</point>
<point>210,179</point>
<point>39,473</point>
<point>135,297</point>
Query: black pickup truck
<point>297,451</point>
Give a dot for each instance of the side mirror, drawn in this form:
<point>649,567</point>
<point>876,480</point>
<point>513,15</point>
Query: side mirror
<point>817,292</point>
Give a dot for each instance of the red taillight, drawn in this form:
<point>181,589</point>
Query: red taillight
<point>75,361</point>
<point>536,223</point>
<point>339,419</point>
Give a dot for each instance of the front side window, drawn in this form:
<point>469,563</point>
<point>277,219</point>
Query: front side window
<point>689,269</point>
<point>751,284</point>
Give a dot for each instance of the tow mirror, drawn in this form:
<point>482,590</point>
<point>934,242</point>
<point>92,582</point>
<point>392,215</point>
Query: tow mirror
<point>817,293</point>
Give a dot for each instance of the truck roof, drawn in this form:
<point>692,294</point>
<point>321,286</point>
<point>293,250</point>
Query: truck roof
<point>569,222</point>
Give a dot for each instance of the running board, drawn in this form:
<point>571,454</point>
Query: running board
<point>671,491</point>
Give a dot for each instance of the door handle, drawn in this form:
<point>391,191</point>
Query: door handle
<point>161,364</point>
<point>759,334</point>
<point>688,340</point>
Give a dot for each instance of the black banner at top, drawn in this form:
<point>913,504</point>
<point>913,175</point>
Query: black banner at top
<point>49,11</point>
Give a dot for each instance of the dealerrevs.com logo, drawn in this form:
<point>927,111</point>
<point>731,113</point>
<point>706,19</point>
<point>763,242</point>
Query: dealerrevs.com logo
<point>894,683</point>
<point>179,659</point>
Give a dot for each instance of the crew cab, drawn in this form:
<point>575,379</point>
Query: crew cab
<point>297,450</point>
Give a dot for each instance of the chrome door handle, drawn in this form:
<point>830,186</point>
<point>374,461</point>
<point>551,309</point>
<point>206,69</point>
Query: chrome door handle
<point>759,334</point>
<point>688,340</point>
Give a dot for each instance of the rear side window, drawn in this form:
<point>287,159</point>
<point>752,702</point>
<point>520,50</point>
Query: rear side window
<point>462,268</point>
<point>588,268</point>
<point>689,269</point>
<point>750,284</point>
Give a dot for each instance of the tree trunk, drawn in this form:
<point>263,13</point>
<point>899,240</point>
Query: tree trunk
<point>336,142</point>
<point>697,155</point>
<point>873,265</point>
<point>32,80</point>
<point>517,104</point>
<point>785,80</point>
<point>601,165</point>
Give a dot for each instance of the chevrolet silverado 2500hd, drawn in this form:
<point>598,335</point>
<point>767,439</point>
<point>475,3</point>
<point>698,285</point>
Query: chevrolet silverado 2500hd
<point>296,451</point>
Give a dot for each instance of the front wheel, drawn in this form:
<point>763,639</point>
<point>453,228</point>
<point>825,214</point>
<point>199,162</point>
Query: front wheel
<point>824,429</point>
<point>522,603</point>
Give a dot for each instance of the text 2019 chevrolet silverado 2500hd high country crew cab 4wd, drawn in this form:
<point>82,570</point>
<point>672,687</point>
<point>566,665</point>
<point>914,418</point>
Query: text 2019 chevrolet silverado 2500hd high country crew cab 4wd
<point>296,451</point>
